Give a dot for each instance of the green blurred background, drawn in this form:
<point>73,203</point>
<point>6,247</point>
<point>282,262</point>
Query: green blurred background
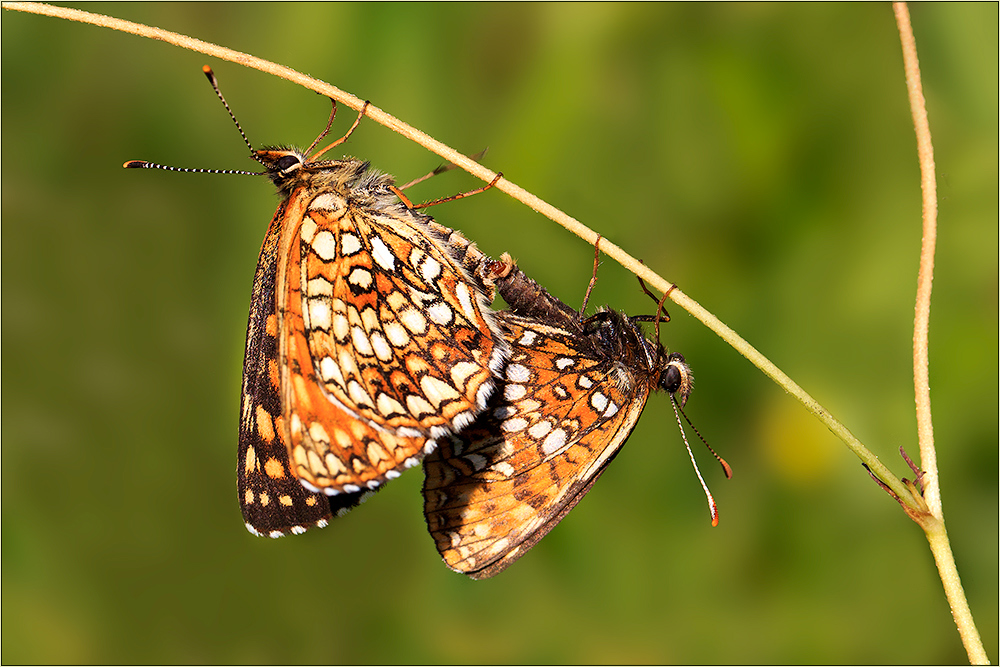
<point>761,156</point>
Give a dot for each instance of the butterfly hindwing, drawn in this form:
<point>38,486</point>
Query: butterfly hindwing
<point>273,501</point>
<point>574,389</point>
<point>492,491</point>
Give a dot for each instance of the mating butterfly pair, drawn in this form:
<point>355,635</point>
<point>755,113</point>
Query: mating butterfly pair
<point>371,343</point>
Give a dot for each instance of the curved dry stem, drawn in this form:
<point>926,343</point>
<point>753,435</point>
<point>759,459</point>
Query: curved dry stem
<point>932,523</point>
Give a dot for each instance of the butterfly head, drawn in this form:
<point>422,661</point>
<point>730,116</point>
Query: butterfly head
<point>676,377</point>
<point>283,165</point>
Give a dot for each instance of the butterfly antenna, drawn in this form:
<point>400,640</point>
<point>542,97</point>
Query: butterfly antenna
<point>142,164</point>
<point>725,466</point>
<point>712,508</point>
<point>215,86</point>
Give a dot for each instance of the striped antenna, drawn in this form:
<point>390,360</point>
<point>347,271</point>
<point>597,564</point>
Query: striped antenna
<point>143,164</point>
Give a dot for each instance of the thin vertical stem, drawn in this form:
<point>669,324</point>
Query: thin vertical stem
<point>932,523</point>
<point>925,278</point>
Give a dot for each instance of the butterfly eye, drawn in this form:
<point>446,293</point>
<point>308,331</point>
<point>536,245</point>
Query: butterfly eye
<point>671,379</point>
<point>287,164</point>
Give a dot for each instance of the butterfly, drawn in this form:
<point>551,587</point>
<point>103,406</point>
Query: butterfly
<point>369,338</point>
<point>574,390</point>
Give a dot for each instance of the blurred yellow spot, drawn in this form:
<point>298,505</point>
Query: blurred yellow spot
<point>795,443</point>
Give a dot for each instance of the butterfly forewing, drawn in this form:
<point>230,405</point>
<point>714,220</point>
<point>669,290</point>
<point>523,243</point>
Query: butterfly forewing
<point>498,487</point>
<point>386,342</point>
<point>369,338</point>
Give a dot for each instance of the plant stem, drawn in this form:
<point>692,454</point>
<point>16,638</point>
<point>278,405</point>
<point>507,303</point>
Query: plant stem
<point>932,523</point>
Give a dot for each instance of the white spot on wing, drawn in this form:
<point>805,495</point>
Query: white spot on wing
<point>462,371</point>
<point>360,277</point>
<point>504,468</point>
<point>325,245</point>
<point>382,254</point>
<point>341,327</point>
<point>439,313</point>
<point>319,314</point>
<point>436,390</point>
<point>518,373</point>
<point>349,244</point>
<point>308,230</point>
<point>319,287</point>
<point>418,406</point>
<point>514,424</point>
<point>358,394</point>
<point>465,299</point>
<point>413,320</point>
<point>430,269</point>
<point>387,405</point>
<point>327,201</point>
<point>599,401</point>
<point>513,392</point>
<point>329,370</point>
<point>396,334</point>
<point>361,342</point>
<point>318,433</point>
<point>554,442</point>
<point>381,347</point>
<point>540,429</point>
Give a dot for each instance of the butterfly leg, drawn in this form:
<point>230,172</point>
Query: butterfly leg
<point>460,195</point>
<point>329,123</point>
<point>593,276</point>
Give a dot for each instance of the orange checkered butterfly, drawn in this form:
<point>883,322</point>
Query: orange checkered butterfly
<point>369,338</point>
<point>575,388</point>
